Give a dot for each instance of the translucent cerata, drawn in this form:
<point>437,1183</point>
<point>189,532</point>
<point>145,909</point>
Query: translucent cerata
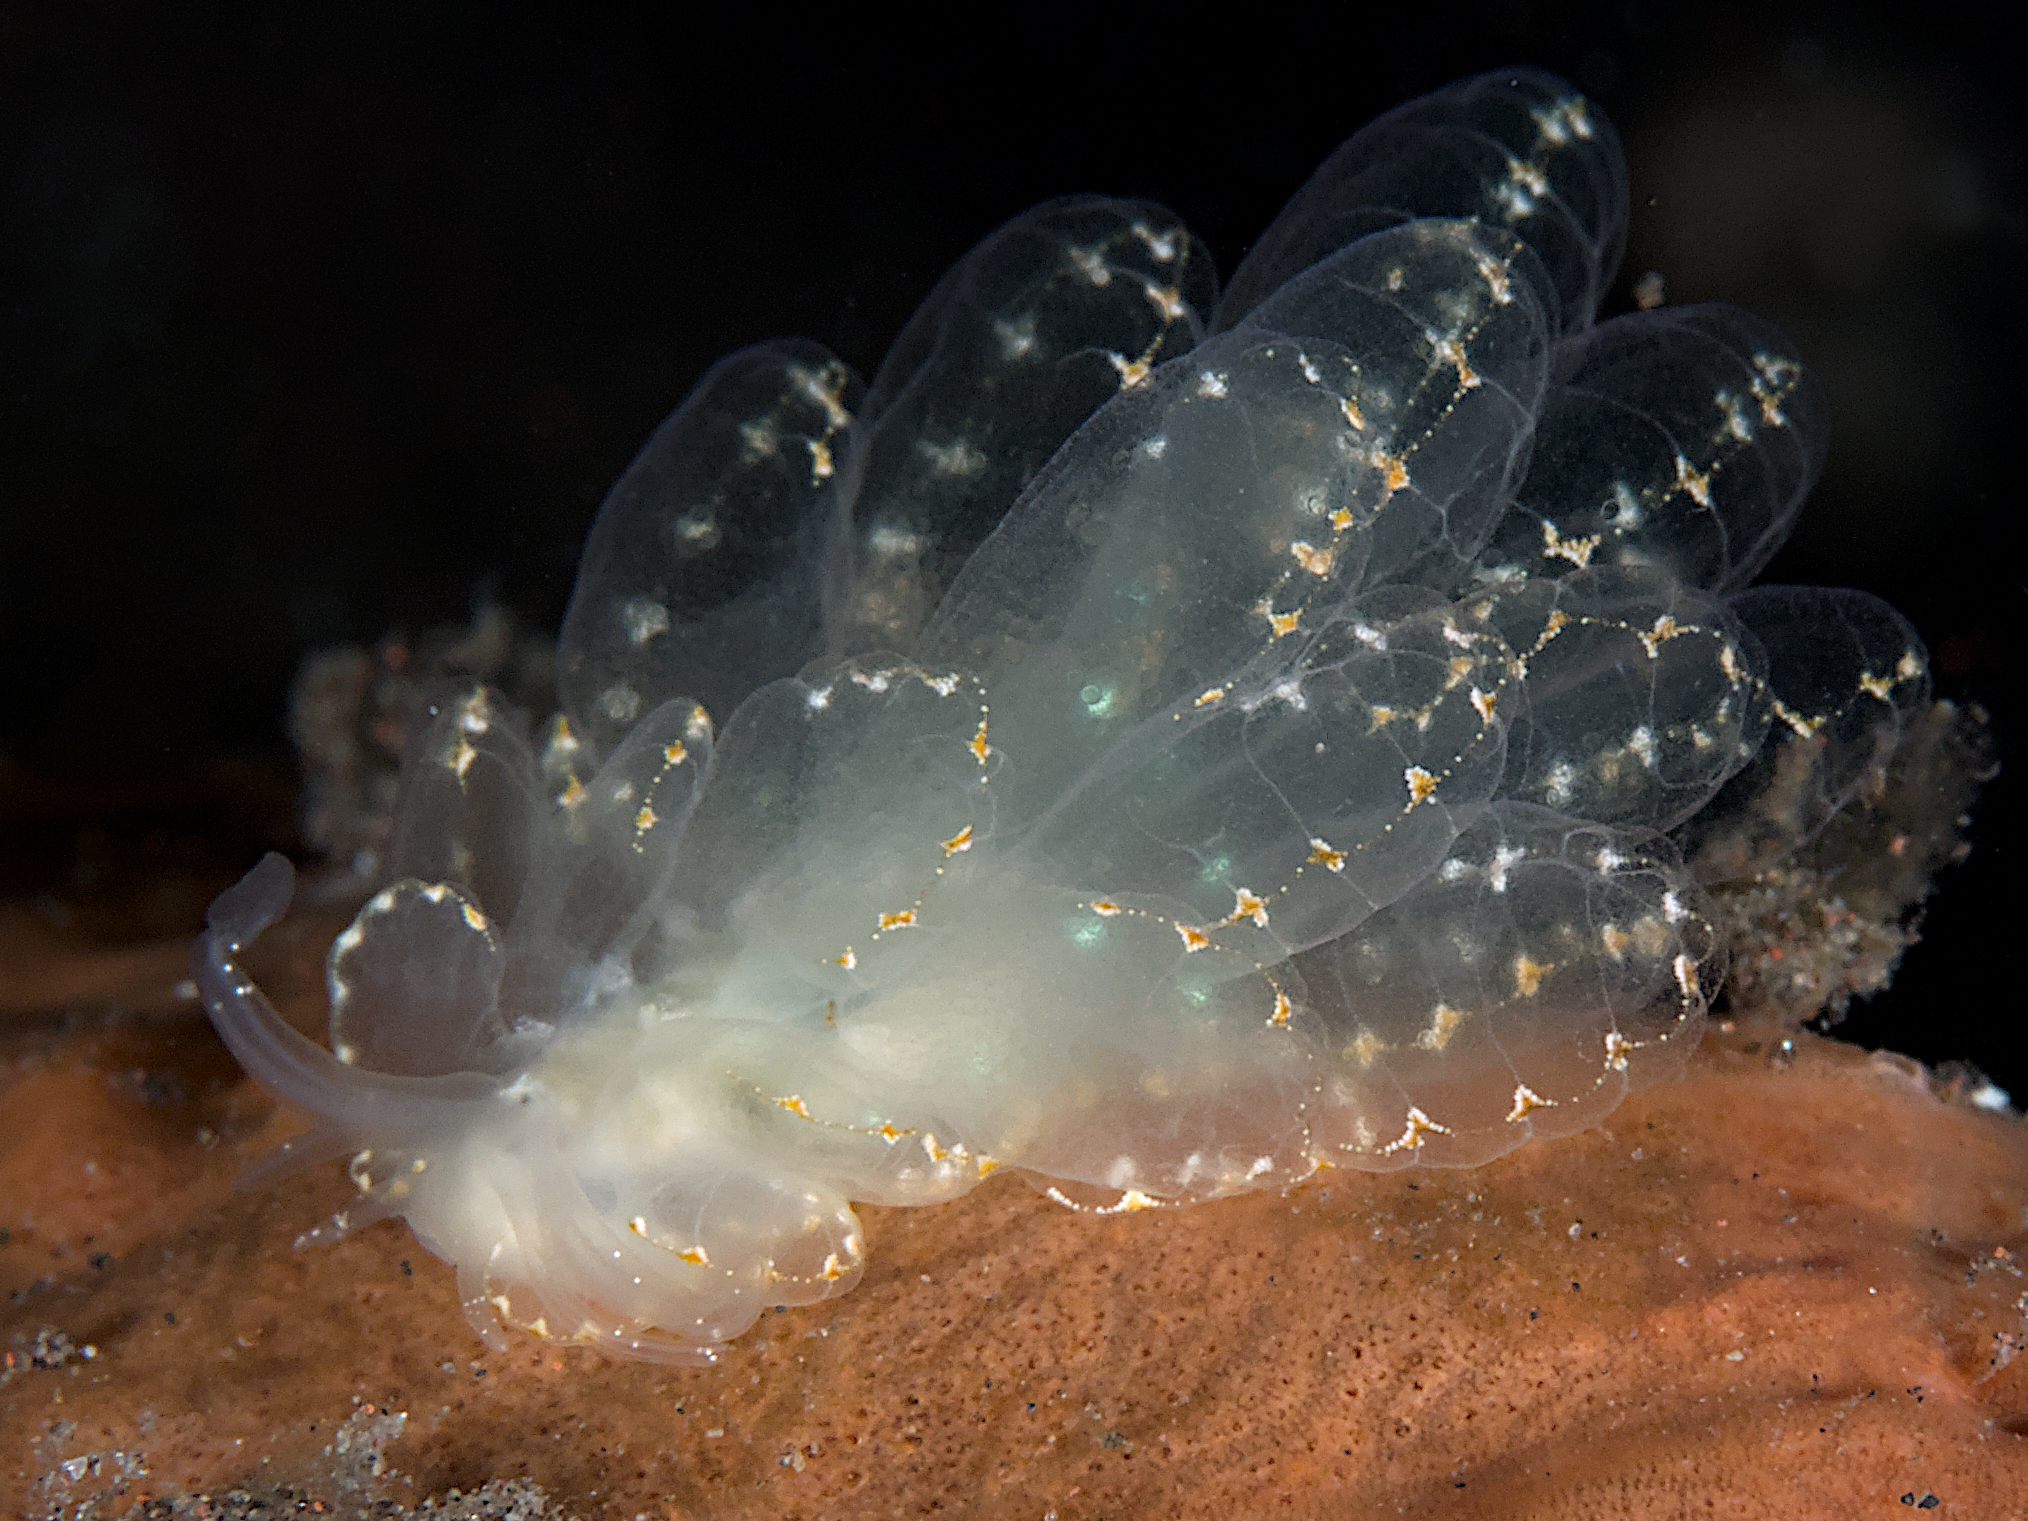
<point>1165,744</point>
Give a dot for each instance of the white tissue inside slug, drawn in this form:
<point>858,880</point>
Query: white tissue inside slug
<point>1285,780</point>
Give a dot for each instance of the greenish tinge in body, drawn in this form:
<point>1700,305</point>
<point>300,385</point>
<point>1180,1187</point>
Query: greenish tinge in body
<point>1164,745</point>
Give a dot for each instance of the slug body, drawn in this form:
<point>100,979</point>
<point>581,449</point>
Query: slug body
<point>1170,747</point>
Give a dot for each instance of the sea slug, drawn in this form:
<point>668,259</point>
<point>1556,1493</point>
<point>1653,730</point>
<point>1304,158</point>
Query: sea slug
<point>1165,745</point>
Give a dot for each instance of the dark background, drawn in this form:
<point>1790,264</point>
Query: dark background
<point>314,323</point>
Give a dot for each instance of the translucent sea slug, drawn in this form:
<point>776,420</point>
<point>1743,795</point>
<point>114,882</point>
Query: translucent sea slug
<point>1164,745</point>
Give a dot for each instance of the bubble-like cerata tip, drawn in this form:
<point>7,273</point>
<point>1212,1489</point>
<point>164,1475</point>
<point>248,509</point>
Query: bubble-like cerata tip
<point>1164,746</point>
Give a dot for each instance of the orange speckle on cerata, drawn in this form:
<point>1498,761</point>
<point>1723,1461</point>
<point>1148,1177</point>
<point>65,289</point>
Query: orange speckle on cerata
<point>1393,473</point>
<point>1317,562</point>
<point>1528,974</point>
<point>1248,905</point>
<point>1279,1015</point>
<point>1422,785</point>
